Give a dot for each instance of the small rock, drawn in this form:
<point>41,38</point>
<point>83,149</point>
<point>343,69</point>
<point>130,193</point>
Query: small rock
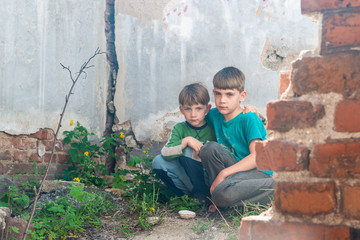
<point>50,185</point>
<point>153,220</point>
<point>186,214</point>
<point>4,184</point>
<point>116,191</point>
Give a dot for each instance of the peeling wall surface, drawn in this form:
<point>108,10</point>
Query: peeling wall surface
<point>163,45</point>
<point>36,36</point>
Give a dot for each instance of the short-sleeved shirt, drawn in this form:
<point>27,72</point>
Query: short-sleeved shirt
<point>236,134</point>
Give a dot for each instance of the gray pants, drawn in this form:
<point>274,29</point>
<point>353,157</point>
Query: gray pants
<point>250,186</point>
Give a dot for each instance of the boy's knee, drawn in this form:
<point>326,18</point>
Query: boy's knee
<point>222,200</point>
<point>207,148</point>
<point>157,162</point>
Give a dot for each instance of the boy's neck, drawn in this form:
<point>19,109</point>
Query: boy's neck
<point>234,114</point>
<point>202,126</point>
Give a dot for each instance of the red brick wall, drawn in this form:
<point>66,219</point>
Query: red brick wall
<point>315,152</point>
<point>18,152</point>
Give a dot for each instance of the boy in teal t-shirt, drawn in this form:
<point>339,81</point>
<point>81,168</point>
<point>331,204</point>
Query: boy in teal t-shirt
<point>230,162</point>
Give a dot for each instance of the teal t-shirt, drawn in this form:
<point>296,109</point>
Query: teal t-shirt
<point>235,135</point>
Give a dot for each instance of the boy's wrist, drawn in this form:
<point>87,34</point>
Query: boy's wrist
<point>184,142</point>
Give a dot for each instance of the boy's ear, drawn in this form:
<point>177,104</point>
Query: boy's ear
<point>181,110</point>
<point>243,96</point>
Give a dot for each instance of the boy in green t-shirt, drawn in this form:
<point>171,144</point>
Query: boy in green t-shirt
<point>230,162</point>
<point>179,165</point>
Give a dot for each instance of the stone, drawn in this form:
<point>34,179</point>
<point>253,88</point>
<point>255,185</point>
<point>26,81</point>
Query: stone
<point>50,185</point>
<point>153,220</point>
<point>4,184</point>
<point>4,212</point>
<point>116,191</point>
<point>186,214</point>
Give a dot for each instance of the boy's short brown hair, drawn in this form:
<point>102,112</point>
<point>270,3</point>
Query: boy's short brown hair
<point>229,78</point>
<point>193,94</point>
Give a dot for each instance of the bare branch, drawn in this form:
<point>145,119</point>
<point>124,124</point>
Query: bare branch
<point>67,97</point>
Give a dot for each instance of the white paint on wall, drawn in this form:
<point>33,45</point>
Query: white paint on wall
<point>190,41</point>
<point>36,36</point>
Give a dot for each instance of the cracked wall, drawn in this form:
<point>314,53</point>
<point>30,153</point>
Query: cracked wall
<point>167,44</point>
<point>36,37</point>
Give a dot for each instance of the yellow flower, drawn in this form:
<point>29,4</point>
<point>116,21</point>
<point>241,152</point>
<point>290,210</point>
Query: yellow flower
<point>153,209</point>
<point>144,151</point>
<point>122,135</point>
<point>77,179</point>
<point>71,122</point>
<point>86,153</point>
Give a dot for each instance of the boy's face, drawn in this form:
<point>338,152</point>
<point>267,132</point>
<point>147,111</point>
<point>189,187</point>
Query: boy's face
<point>228,101</point>
<point>195,114</point>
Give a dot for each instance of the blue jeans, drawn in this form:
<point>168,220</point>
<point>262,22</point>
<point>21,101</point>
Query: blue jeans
<point>183,175</point>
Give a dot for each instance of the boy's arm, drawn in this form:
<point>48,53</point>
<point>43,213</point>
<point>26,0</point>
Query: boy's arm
<point>177,142</point>
<point>247,163</point>
<point>193,143</point>
<point>173,148</point>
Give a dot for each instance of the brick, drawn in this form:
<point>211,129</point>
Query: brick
<point>305,198</point>
<point>35,157</point>
<point>257,228</point>
<point>23,143</point>
<point>43,134</point>
<point>49,145</point>
<point>335,160</point>
<point>17,168</point>
<point>340,31</point>
<point>284,81</point>
<point>284,115</point>
<point>281,156</point>
<point>63,157</point>
<point>322,5</point>
<point>47,156</point>
<point>347,116</point>
<point>350,201</point>
<point>21,225</point>
<point>5,155</point>
<point>336,73</point>
<point>56,170</point>
<point>20,156</point>
<point>5,142</point>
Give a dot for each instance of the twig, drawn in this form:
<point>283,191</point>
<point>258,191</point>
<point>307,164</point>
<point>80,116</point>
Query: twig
<point>227,224</point>
<point>74,81</point>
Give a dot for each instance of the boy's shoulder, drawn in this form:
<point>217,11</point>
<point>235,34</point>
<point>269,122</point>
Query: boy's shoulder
<point>180,125</point>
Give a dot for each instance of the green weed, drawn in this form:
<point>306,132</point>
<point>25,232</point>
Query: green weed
<point>199,226</point>
<point>83,155</point>
<point>64,217</point>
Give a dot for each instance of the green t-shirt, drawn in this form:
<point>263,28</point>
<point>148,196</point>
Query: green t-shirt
<point>235,135</point>
<point>173,149</point>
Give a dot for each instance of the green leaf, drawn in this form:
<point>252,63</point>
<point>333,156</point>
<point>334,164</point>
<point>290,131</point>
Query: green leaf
<point>13,229</point>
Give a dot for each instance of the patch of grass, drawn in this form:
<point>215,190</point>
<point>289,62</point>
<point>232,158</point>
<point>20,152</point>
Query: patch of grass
<point>200,225</point>
<point>64,217</point>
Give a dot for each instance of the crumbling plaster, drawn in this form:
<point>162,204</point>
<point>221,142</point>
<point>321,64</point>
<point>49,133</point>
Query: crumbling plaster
<point>36,36</point>
<point>165,45</point>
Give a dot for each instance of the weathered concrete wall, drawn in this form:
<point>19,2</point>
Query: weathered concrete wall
<point>36,36</point>
<point>164,45</point>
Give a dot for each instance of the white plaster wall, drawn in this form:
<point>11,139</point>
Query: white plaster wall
<point>163,45</point>
<point>36,36</point>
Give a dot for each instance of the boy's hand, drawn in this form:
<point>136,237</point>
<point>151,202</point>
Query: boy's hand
<point>249,108</point>
<point>193,143</point>
<point>216,182</point>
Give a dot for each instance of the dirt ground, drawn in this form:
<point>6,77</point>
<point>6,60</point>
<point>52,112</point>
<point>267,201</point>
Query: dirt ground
<point>170,228</point>
<point>205,226</point>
